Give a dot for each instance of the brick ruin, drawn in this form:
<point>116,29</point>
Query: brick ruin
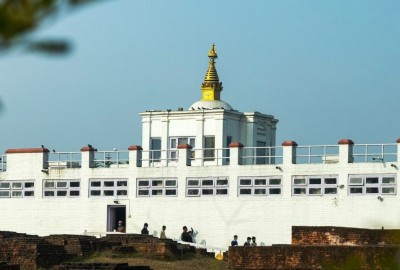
<point>23,251</point>
<point>324,248</point>
<point>311,248</point>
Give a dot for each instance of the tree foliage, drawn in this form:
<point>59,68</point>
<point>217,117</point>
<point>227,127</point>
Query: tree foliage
<point>20,18</point>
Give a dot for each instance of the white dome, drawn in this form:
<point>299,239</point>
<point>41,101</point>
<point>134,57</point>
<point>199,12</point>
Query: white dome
<point>209,105</point>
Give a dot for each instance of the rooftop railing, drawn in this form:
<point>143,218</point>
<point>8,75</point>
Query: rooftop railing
<point>317,154</point>
<point>157,158</point>
<point>111,159</point>
<point>375,152</point>
<point>262,155</point>
<point>236,155</point>
<point>64,160</point>
<point>210,156</point>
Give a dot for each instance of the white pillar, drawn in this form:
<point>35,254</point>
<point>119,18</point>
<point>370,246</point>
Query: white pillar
<point>135,156</point>
<point>236,152</point>
<point>184,155</point>
<point>289,152</point>
<point>87,153</point>
<point>346,151</point>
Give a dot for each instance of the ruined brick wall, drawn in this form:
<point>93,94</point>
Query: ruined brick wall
<point>79,245</point>
<point>343,236</point>
<point>146,245</point>
<point>313,257</point>
<point>34,252</point>
<point>29,251</point>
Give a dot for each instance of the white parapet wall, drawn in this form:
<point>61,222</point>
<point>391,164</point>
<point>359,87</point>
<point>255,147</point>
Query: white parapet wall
<point>216,213</point>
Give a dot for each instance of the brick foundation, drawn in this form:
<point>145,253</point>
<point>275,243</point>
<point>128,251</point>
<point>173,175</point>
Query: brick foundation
<point>324,248</point>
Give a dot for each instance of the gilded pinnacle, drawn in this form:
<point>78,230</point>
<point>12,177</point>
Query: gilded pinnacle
<point>211,86</point>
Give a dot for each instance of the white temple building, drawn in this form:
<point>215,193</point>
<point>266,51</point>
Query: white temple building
<point>209,167</point>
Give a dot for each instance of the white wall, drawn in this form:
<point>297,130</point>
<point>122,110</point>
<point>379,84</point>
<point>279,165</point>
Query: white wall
<point>216,218</point>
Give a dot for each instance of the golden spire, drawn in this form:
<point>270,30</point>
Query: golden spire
<point>211,87</point>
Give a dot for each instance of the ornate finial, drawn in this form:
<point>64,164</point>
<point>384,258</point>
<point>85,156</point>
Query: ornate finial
<point>212,53</point>
<point>211,87</point>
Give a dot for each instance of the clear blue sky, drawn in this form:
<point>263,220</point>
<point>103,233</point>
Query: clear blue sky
<point>326,69</point>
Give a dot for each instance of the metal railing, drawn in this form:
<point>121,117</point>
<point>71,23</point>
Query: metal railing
<point>375,153</point>
<point>111,159</point>
<point>157,158</point>
<point>221,156</point>
<point>3,163</point>
<point>262,155</point>
<point>210,156</point>
<point>317,154</point>
<point>65,160</point>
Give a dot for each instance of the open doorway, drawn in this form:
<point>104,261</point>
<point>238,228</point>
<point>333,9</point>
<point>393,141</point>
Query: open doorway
<point>115,213</point>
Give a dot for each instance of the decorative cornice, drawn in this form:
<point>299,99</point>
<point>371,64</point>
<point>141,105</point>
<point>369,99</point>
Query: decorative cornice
<point>27,150</point>
<point>289,143</point>
<point>236,145</point>
<point>185,146</point>
<point>345,141</point>
<point>135,148</point>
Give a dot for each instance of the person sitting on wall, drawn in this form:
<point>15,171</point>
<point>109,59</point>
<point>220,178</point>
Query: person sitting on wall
<point>120,227</point>
<point>162,234</point>
<point>186,236</point>
<point>247,243</point>
<point>234,242</point>
<point>253,241</point>
<point>145,230</point>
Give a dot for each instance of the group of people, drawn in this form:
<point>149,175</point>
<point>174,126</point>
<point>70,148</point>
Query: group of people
<point>186,236</point>
<point>251,241</point>
<point>146,231</point>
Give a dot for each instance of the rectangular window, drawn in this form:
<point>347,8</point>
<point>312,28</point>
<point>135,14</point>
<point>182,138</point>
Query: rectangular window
<point>214,186</point>
<point>372,185</point>
<point>4,185</point>
<point>17,189</point>
<point>4,193</point>
<point>157,187</point>
<point>209,148</point>
<point>314,185</point>
<point>299,181</point>
<point>356,181</point>
<point>155,150</point>
<point>16,185</point>
<point>175,141</point>
<point>61,188</point>
<point>108,187</point>
<point>260,186</point>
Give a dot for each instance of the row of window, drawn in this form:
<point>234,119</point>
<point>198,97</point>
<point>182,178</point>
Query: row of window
<point>17,189</point>
<point>208,186</point>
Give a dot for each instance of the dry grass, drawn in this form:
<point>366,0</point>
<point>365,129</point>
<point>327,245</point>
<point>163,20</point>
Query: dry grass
<point>187,263</point>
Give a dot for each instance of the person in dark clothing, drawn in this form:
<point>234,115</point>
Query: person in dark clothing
<point>248,242</point>
<point>120,227</point>
<point>253,242</point>
<point>234,242</point>
<point>145,230</point>
<point>186,236</point>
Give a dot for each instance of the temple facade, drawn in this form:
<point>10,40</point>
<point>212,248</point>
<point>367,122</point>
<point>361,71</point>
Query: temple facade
<point>209,167</point>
